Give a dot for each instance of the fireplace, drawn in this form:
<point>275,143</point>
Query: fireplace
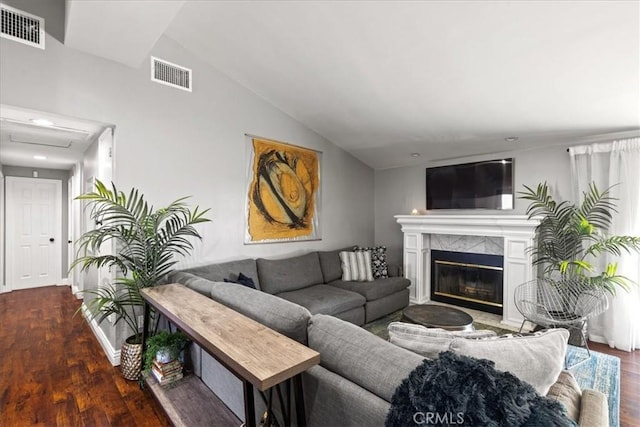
<point>467,279</point>
<point>516,231</point>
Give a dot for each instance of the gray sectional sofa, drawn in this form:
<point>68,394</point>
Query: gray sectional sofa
<point>314,281</point>
<point>358,372</point>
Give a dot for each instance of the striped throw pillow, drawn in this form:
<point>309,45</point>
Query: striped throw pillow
<point>356,266</point>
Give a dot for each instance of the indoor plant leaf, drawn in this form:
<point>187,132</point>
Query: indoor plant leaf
<point>145,242</point>
<point>571,238</point>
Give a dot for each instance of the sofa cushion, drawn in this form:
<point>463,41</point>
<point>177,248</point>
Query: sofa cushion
<point>330,265</point>
<point>197,283</point>
<point>429,342</point>
<point>227,270</point>
<point>324,299</point>
<point>536,358</point>
<point>361,357</point>
<point>283,316</point>
<point>329,400</point>
<point>594,409</point>
<point>377,289</point>
<point>289,274</point>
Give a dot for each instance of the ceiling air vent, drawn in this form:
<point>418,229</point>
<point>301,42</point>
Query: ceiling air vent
<point>170,74</point>
<point>22,27</point>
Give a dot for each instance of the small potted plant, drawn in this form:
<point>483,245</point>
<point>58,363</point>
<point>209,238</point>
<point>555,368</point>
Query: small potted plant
<point>164,347</point>
<point>161,356</point>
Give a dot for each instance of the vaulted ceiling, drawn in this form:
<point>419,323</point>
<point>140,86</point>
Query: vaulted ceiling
<point>384,79</point>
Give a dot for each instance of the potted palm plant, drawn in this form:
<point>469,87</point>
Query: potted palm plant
<point>570,241</point>
<point>571,238</point>
<point>146,242</point>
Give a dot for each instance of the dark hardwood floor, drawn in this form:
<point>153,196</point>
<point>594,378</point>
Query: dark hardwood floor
<point>54,372</point>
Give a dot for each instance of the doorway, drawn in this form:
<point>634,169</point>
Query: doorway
<point>34,211</point>
<point>37,147</point>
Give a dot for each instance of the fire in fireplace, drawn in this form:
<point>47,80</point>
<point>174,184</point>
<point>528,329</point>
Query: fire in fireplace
<point>467,279</point>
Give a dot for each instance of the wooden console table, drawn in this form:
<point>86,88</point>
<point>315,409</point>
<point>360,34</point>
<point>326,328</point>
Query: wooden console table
<point>257,355</point>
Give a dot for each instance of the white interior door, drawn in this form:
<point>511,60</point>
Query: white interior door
<point>34,230</point>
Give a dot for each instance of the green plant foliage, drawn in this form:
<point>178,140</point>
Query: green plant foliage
<point>146,242</point>
<point>173,342</point>
<point>570,238</point>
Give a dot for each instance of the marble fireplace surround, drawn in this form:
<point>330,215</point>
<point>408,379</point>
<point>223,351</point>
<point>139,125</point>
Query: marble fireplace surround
<point>517,232</point>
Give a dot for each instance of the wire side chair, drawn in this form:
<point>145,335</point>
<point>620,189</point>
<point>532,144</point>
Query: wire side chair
<point>563,303</point>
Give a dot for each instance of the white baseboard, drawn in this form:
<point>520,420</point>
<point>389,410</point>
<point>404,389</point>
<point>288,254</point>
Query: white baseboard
<point>64,282</point>
<point>599,339</point>
<point>112,354</point>
<point>509,324</point>
<point>76,292</point>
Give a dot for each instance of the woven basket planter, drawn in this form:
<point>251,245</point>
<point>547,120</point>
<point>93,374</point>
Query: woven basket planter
<point>131,359</point>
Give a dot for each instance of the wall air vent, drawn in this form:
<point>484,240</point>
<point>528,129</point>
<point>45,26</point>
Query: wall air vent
<point>22,27</point>
<point>170,74</point>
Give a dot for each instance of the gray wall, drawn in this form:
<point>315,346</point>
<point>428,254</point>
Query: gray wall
<point>60,175</point>
<point>398,191</point>
<point>90,278</point>
<point>170,143</point>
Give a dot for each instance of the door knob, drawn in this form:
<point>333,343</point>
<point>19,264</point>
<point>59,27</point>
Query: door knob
<point>51,239</point>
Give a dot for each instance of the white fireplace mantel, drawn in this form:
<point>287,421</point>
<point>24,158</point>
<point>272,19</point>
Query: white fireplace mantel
<point>517,231</point>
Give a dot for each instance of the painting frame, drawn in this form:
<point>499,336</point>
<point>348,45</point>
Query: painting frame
<point>283,192</point>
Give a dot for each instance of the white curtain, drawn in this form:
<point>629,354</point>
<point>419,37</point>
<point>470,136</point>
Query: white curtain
<point>615,164</point>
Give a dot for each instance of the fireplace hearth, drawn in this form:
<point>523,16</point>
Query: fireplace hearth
<point>468,280</point>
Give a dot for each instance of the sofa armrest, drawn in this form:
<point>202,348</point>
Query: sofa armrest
<point>594,411</point>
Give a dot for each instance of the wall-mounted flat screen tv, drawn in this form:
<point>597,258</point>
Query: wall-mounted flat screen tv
<point>478,185</point>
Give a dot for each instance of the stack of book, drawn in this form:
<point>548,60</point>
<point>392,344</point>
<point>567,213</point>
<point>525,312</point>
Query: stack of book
<point>166,372</point>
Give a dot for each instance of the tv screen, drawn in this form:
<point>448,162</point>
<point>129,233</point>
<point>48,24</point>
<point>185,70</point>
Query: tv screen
<point>479,185</point>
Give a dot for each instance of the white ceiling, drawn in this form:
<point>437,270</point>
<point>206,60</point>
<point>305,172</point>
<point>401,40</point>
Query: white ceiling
<point>62,144</point>
<point>386,79</point>
<point>124,31</point>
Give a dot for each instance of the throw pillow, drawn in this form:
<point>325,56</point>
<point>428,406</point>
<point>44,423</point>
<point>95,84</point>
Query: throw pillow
<point>243,280</point>
<point>356,266</point>
<point>567,391</point>
<point>428,342</point>
<point>379,265</point>
<point>537,359</point>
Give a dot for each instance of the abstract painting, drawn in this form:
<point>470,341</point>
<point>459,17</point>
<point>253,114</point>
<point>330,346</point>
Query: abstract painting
<point>283,193</point>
